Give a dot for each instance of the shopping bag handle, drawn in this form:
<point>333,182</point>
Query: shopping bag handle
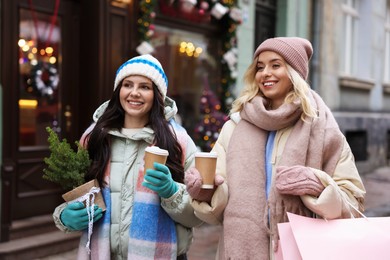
<point>358,211</point>
<point>343,196</point>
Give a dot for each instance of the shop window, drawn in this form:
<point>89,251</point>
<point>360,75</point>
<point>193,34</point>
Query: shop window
<point>357,140</point>
<point>196,44</point>
<point>39,51</point>
<point>193,69</point>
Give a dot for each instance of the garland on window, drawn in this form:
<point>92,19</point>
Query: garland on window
<point>145,25</point>
<point>229,17</point>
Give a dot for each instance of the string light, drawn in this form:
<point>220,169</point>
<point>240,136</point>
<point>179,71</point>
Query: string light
<point>189,49</point>
<point>21,43</point>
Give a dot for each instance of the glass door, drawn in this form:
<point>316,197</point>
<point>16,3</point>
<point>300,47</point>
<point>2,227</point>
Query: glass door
<point>39,69</point>
<point>40,58</point>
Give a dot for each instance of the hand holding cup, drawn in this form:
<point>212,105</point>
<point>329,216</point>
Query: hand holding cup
<point>155,154</point>
<point>206,163</point>
<point>193,182</point>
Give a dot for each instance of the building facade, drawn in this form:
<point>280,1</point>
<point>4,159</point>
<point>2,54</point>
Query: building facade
<point>350,69</point>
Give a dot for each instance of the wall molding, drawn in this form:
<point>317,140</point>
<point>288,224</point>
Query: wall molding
<point>351,82</point>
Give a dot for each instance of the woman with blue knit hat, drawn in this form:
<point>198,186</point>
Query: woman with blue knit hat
<point>149,214</point>
<point>281,151</point>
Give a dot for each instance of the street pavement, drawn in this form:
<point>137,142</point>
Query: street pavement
<point>377,204</point>
<point>377,200</point>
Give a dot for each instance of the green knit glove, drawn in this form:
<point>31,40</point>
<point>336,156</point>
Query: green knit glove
<point>75,216</point>
<point>160,180</point>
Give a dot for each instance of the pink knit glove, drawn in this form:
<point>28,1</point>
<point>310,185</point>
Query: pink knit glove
<point>297,180</point>
<point>193,182</point>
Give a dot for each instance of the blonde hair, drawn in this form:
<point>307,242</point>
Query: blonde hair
<point>299,91</point>
<point>250,90</point>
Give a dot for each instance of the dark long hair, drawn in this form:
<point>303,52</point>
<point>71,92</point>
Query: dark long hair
<point>113,119</point>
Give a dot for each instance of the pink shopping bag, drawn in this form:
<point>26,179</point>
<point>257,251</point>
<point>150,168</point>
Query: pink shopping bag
<point>340,239</point>
<point>288,248</point>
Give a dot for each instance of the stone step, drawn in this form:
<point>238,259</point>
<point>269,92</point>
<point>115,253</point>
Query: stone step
<point>36,237</point>
<point>40,245</point>
<point>32,226</point>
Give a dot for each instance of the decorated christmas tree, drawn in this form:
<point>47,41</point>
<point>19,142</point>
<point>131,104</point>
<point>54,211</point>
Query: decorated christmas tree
<point>212,119</point>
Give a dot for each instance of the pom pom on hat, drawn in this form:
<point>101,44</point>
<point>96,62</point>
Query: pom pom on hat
<point>144,65</point>
<point>296,51</point>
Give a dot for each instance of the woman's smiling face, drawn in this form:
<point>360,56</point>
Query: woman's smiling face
<point>272,77</point>
<point>136,97</point>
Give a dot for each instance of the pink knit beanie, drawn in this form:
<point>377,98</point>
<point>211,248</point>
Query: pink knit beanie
<point>296,51</point>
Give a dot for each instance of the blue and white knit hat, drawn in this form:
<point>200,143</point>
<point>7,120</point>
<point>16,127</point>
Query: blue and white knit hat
<point>144,65</point>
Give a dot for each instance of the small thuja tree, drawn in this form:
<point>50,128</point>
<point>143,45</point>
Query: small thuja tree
<point>65,166</point>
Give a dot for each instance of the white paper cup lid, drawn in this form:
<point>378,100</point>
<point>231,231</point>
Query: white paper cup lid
<point>156,150</point>
<point>206,155</point>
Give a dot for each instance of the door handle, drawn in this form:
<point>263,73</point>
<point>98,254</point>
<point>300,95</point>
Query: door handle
<point>68,117</point>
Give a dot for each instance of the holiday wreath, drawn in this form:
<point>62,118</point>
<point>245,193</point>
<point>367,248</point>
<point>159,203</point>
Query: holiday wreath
<point>44,78</point>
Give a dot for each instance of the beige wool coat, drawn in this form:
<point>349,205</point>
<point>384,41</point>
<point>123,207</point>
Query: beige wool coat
<point>343,189</point>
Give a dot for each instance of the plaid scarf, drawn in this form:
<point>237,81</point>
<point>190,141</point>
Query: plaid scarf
<point>152,233</point>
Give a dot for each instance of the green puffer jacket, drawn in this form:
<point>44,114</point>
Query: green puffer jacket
<point>126,159</point>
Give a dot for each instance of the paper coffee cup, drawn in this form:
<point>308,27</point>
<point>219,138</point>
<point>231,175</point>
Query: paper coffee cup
<point>206,164</point>
<point>155,154</point>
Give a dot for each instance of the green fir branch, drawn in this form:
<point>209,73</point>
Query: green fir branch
<point>65,166</point>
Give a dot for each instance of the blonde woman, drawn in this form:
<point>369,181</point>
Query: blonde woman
<point>281,151</point>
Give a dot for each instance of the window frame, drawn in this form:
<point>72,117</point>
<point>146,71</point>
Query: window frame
<point>386,62</point>
<point>350,26</point>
